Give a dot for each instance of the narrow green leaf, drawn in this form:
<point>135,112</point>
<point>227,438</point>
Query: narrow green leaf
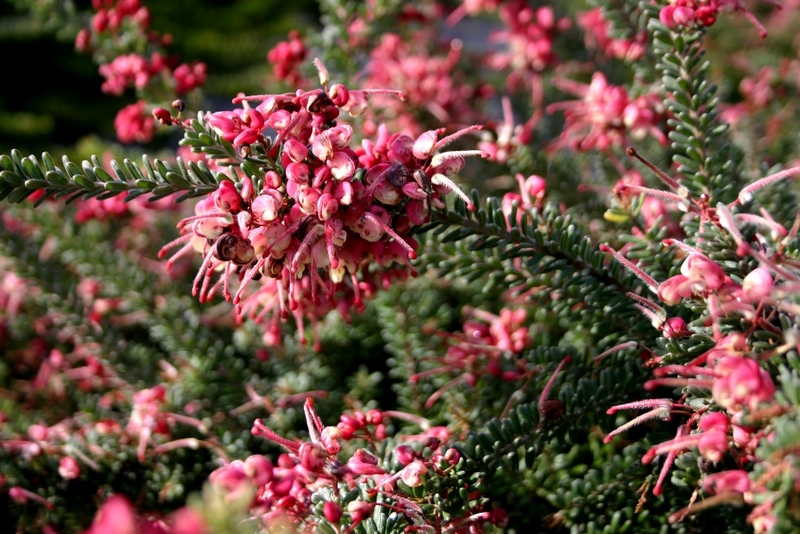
<point>49,164</point>
<point>163,190</point>
<point>146,184</point>
<point>103,174</point>
<point>20,194</point>
<point>32,169</point>
<point>56,177</point>
<point>36,184</point>
<point>12,178</point>
<point>119,171</point>
<point>176,180</point>
<point>88,170</point>
<point>117,187</point>
<point>83,182</point>
<point>134,170</point>
<point>6,163</point>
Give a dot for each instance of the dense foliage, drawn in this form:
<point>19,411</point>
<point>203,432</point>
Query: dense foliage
<point>432,267</point>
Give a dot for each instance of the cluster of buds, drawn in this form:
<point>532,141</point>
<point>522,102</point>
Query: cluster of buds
<point>531,194</point>
<point>111,15</point>
<point>327,222</point>
<point>731,397</point>
<point>702,12</point>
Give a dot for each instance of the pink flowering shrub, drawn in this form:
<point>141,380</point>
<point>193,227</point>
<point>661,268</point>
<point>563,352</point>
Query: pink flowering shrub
<point>546,258</point>
<point>119,29</point>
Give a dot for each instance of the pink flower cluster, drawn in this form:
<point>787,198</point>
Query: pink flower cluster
<point>286,58</point>
<point>427,80</point>
<point>330,222</point>
<point>739,394</point>
<point>130,70</point>
<point>596,35</point>
<point>527,38</point>
<point>123,25</point>
<point>134,124</point>
<point>606,116</point>
<point>283,490</point>
<point>482,348</point>
<point>702,12</point>
<point>111,14</point>
<point>133,70</point>
<point>531,194</point>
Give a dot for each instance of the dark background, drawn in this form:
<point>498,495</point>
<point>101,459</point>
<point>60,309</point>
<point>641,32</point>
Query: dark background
<point>50,94</point>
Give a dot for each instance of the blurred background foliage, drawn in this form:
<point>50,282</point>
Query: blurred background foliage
<point>60,103</point>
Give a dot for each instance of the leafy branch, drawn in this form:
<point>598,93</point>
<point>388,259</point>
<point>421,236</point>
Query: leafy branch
<point>703,153</point>
<point>542,250</point>
<point>21,176</point>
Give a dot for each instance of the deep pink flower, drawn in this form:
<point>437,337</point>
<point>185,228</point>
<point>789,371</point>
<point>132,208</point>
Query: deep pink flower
<point>735,480</point>
<point>134,124</point>
<point>115,516</point>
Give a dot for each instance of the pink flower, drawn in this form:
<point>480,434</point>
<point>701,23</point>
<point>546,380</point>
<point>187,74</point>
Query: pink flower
<point>604,116</point>
<point>115,516</point>
<point>286,58</point>
<point>735,480</point>
<point>134,124</point>
<point>187,521</point>
<point>743,383</point>
<point>68,468</point>
<point>188,77</point>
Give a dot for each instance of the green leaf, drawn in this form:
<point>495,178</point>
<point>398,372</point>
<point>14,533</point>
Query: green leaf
<point>18,195</point>
<point>35,184</point>
<point>103,174</point>
<point>31,168</point>
<point>177,180</point>
<point>84,182</point>
<point>117,187</point>
<point>12,178</point>
<point>57,177</point>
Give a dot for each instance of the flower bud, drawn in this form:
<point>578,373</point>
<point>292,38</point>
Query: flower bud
<point>297,172</point>
<point>327,206</point>
<point>699,268</point>
<point>359,511</point>
<point>423,146</point>
<point>68,468</point>
<point>727,481</point>
<point>272,180</point>
<point>339,94</point>
<point>226,198</point>
<point>266,206</point>
<point>413,474</point>
<point>332,511</point>
<point>674,289</point>
<point>757,285</point>
<point>312,456</point>
<point>713,445</point>
<point>405,454</point>
<point>330,437</point>
<point>452,456</point>
<point>259,468</point>
<point>295,150</point>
